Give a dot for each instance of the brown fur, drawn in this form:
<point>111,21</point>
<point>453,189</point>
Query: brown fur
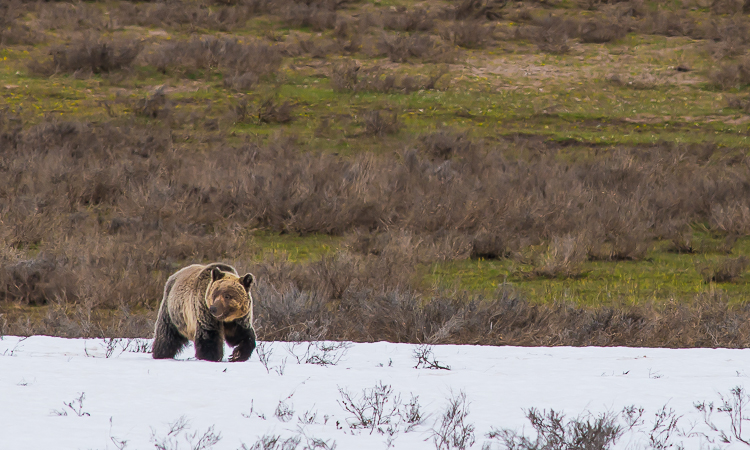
<point>206,304</point>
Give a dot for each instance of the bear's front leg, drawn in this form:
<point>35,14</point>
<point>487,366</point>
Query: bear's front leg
<point>242,338</point>
<point>209,345</point>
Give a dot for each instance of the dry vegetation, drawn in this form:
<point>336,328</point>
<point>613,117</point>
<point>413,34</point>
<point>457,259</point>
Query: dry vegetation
<point>96,213</point>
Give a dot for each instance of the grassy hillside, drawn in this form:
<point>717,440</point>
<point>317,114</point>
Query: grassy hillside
<point>550,172</point>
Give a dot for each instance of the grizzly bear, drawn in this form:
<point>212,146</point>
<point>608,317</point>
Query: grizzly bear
<point>207,305</point>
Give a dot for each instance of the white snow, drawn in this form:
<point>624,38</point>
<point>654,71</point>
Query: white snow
<point>128,396</point>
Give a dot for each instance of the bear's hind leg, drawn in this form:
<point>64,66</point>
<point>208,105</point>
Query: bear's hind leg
<point>241,338</point>
<point>209,345</point>
<point>167,340</point>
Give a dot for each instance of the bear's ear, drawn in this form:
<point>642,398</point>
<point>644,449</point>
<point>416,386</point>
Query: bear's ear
<point>247,281</point>
<point>216,274</point>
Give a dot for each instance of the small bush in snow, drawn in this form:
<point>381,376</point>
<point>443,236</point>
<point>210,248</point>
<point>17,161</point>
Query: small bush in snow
<point>319,352</point>
<point>275,442</point>
<point>138,345</point>
<point>179,431</point>
<point>15,347</point>
<point>376,409</point>
<point>284,412</point>
<point>425,358</point>
<point>451,431</point>
<point>412,414</point>
<point>733,406</point>
<point>308,417</point>
<point>75,405</point>
<point>264,354</point>
<point>252,412</point>
<point>553,431</point>
<point>664,428</point>
<point>111,345</point>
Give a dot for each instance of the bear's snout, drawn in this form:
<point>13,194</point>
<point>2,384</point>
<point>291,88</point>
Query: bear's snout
<point>217,310</point>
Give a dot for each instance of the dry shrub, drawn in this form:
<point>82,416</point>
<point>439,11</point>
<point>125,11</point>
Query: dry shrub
<point>732,217</point>
<point>468,33</point>
<point>727,6</point>
<point>622,199</point>
<point>681,242</point>
<point>315,46</point>
<point>71,16</point>
<point>475,9</point>
<point>640,81</point>
<point>12,31</point>
<point>380,122</point>
<point>669,23</point>
<point>601,31</point>
<point>242,64</point>
<point>400,48</point>
<point>408,21</point>
<point>411,247</point>
<point>317,18</point>
<point>189,15</point>
<point>330,5</point>
<point>154,106</point>
<point>551,34</point>
<point>36,281</point>
<point>724,270</point>
<point>563,258</point>
<point>731,75</point>
<point>489,245</point>
<point>349,33</point>
<point>19,34</point>
<point>89,54</point>
<point>727,38</point>
<point>362,302</point>
<point>347,76</point>
<point>631,9</point>
<point>445,144</point>
<point>737,102</point>
<point>272,112</point>
<point>132,209</point>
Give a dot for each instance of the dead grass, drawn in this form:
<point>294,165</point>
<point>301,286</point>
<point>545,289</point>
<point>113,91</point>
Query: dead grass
<point>98,216</point>
<point>361,313</point>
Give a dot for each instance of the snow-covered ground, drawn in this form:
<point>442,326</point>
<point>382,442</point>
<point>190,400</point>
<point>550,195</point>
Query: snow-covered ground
<point>95,394</point>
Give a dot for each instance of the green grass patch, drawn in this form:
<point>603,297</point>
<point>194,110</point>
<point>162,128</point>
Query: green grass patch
<point>294,247</point>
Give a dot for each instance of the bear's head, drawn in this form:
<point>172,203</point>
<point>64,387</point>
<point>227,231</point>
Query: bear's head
<point>228,297</point>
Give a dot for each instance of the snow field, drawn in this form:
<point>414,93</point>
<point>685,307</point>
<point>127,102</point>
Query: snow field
<point>130,400</point>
